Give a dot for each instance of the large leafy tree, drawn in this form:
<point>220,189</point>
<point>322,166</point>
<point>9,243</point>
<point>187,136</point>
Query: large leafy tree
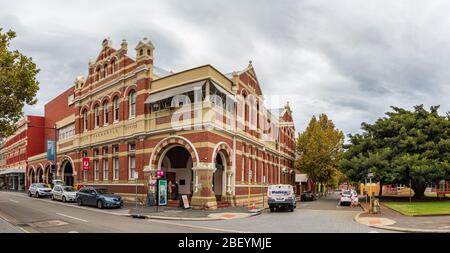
<point>405,146</point>
<point>17,81</point>
<point>319,149</point>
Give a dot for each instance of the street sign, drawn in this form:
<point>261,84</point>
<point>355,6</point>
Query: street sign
<point>160,173</point>
<point>86,163</point>
<point>370,175</point>
<point>162,192</point>
<point>50,150</point>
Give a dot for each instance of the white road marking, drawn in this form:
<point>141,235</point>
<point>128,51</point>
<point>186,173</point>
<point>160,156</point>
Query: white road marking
<point>72,232</point>
<point>373,231</point>
<point>199,227</point>
<point>68,216</point>
<point>15,201</point>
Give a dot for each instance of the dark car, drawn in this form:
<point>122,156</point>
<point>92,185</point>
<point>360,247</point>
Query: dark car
<point>99,197</point>
<point>307,196</point>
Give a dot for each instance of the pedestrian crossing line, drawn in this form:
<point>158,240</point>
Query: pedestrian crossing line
<point>199,227</point>
<point>13,200</point>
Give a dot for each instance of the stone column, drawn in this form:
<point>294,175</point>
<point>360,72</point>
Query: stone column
<point>203,197</point>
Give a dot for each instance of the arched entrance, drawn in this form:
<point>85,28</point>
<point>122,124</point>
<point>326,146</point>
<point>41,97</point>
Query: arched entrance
<point>48,174</point>
<point>40,175</point>
<point>222,177</point>
<point>67,173</point>
<point>176,161</point>
<point>31,176</point>
<point>219,176</point>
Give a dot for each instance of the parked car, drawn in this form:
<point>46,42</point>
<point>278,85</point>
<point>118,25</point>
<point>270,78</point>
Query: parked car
<point>281,196</point>
<point>307,196</point>
<point>347,197</point>
<point>99,197</point>
<point>39,190</point>
<point>64,193</point>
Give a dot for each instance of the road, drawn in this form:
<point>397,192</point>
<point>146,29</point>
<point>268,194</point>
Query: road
<point>43,216</point>
<point>321,216</point>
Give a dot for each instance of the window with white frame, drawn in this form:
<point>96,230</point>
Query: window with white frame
<point>116,108</point>
<point>105,113</point>
<point>96,170</point>
<point>66,132</point>
<point>243,169</point>
<point>131,147</point>
<point>131,167</point>
<point>85,120</point>
<point>105,169</point>
<point>97,115</point>
<point>116,168</point>
<point>256,170</point>
<point>132,104</point>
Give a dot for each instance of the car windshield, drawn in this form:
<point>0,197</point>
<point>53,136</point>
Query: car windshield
<point>69,189</point>
<point>41,186</point>
<point>102,191</point>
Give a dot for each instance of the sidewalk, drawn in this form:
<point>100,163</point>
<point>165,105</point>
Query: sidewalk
<point>392,220</point>
<point>6,227</point>
<point>166,213</point>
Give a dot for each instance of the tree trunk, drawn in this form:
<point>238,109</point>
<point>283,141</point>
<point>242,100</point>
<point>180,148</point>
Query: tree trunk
<point>380,192</point>
<point>419,189</point>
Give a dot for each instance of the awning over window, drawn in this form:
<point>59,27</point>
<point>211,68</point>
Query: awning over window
<point>174,91</point>
<point>227,93</point>
<point>11,171</point>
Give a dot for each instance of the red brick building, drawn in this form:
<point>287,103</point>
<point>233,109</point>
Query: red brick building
<point>208,131</point>
<point>27,141</point>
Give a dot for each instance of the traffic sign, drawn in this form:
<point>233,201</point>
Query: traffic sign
<point>370,175</point>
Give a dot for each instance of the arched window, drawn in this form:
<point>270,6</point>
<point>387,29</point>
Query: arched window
<point>85,120</point>
<point>116,108</point>
<point>105,113</point>
<point>113,67</point>
<point>132,104</point>
<point>105,70</point>
<point>97,115</point>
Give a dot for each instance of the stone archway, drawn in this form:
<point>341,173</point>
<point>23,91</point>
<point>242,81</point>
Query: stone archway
<point>67,173</point>
<point>31,176</point>
<point>223,174</point>
<point>40,175</point>
<point>48,174</point>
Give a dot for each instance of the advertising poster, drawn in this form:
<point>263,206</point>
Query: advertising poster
<point>162,192</point>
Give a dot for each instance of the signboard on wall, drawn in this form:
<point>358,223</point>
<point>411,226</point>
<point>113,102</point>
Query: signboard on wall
<point>185,201</point>
<point>86,163</point>
<point>162,192</point>
<point>50,150</point>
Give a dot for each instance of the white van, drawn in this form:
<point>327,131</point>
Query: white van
<point>281,196</point>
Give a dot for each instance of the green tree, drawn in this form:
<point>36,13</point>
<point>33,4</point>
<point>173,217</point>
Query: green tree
<point>404,146</point>
<point>319,150</point>
<point>18,84</point>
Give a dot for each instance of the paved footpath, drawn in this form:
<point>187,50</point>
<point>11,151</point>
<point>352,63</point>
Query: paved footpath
<point>392,220</point>
<point>6,227</point>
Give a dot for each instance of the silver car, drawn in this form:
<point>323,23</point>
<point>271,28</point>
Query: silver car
<point>64,193</point>
<point>39,190</point>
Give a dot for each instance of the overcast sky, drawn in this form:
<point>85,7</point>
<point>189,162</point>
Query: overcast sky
<point>349,59</point>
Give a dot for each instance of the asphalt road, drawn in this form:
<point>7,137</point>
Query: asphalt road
<point>43,215</point>
<point>321,216</point>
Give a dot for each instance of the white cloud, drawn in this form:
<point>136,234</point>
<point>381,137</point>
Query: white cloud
<point>349,59</point>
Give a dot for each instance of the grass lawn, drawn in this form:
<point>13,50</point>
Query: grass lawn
<point>420,208</point>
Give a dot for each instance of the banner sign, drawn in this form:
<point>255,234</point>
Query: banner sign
<point>85,163</point>
<point>50,150</point>
<point>162,192</point>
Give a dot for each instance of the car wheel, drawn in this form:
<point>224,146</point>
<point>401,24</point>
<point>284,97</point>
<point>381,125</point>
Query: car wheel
<point>79,202</point>
<point>29,194</point>
<point>37,195</point>
<point>64,199</point>
<point>53,198</point>
<point>272,209</point>
<point>100,204</point>
<point>291,209</point>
